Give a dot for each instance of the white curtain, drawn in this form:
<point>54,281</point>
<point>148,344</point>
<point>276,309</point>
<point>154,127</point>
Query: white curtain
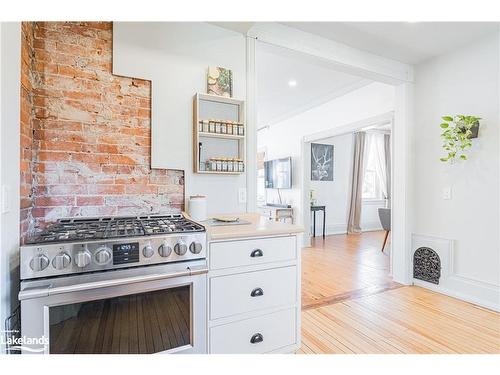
<point>375,147</point>
<point>358,171</point>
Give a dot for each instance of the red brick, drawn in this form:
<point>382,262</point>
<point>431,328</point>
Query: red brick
<point>54,201</point>
<point>89,201</point>
<point>106,189</point>
<point>91,139</point>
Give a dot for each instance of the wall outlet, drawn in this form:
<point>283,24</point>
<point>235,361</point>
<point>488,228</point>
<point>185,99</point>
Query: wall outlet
<point>446,193</point>
<point>242,195</point>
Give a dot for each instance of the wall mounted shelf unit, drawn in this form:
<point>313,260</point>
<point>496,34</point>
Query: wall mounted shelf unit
<point>219,133</point>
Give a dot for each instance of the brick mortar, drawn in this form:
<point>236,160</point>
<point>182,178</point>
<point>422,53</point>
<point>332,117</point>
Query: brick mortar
<point>91,131</point>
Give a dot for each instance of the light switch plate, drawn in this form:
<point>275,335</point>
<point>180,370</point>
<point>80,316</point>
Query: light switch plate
<point>242,195</point>
<point>446,193</point>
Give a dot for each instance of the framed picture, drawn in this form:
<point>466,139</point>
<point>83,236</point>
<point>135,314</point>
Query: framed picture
<point>220,81</point>
<point>321,162</point>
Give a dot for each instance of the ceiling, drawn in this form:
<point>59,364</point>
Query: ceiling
<point>407,42</point>
<point>316,83</point>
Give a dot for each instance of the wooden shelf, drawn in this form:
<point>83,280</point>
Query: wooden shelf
<point>217,145</point>
<point>220,135</point>
<point>219,172</point>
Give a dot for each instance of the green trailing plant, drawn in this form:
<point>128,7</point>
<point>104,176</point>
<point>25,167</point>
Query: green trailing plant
<point>456,136</point>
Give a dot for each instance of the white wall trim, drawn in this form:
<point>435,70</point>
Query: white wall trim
<point>316,102</point>
<point>482,296</point>
<point>366,65</point>
<point>251,125</point>
<point>344,57</point>
<point>10,78</point>
<point>385,118</point>
<point>451,283</point>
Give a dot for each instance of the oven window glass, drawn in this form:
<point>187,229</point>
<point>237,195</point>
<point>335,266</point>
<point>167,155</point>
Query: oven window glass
<point>139,323</point>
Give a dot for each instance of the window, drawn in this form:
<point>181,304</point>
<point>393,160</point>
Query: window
<point>372,188</point>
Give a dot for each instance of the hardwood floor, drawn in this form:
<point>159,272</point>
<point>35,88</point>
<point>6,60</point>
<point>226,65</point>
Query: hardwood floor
<point>344,266</point>
<point>350,305</point>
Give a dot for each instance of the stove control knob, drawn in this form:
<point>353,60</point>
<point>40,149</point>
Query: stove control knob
<point>195,247</point>
<point>83,258</point>
<point>61,261</point>
<point>102,255</point>
<point>180,248</point>
<point>148,251</point>
<point>39,262</point>
<point>165,250</point>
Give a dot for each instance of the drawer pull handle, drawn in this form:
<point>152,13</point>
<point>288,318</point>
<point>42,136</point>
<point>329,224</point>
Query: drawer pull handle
<point>257,292</point>
<point>256,338</point>
<point>257,253</point>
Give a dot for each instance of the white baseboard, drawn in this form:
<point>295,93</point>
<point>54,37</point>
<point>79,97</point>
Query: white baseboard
<point>451,283</point>
<point>371,226</point>
<point>341,228</point>
<point>486,295</point>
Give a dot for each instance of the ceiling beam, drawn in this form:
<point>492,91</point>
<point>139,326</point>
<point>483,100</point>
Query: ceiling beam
<point>343,57</point>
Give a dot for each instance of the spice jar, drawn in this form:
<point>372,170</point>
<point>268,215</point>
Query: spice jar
<point>241,130</point>
<point>224,165</point>
<point>205,126</point>
<point>240,165</point>
<point>230,163</point>
<point>219,164</point>
<point>211,127</point>
<point>223,128</point>
<point>229,126</point>
<point>213,164</point>
<point>217,126</point>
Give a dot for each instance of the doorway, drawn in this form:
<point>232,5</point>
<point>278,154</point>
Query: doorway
<point>347,263</point>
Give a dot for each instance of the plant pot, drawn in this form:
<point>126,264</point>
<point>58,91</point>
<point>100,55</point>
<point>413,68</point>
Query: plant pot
<point>475,130</point>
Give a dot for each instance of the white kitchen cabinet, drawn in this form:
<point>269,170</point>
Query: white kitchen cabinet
<point>254,295</point>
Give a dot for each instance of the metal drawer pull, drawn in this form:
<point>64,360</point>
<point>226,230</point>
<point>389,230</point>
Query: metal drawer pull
<point>257,253</point>
<point>257,292</point>
<point>256,338</point>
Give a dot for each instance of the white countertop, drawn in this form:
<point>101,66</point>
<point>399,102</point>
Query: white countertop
<point>259,227</point>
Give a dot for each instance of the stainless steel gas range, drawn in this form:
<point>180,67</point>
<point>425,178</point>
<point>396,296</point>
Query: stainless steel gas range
<point>115,285</point>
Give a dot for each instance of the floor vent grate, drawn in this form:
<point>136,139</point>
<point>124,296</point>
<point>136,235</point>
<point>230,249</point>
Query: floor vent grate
<point>426,265</point>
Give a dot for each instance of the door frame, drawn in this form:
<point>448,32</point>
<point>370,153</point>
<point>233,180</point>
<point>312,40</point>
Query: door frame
<point>383,119</point>
<point>367,65</point>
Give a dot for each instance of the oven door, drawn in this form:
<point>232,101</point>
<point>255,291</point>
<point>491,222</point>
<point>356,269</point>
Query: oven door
<point>156,309</point>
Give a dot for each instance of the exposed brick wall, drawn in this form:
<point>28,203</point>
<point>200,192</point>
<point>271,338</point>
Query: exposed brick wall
<point>92,131</point>
<point>26,128</point>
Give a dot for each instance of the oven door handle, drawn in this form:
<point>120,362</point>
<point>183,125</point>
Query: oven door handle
<point>49,291</point>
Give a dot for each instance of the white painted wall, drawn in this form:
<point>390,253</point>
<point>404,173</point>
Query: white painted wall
<point>335,194</point>
<point>175,57</point>
<point>285,138</point>
<point>10,70</point>
<point>463,82</point>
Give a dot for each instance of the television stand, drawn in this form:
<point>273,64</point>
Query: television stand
<point>277,212</point>
<point>279,205</point>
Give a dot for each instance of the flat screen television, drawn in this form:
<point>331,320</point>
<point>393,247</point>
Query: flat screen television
<point>278,173</point>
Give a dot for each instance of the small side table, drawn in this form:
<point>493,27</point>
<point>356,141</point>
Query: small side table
<point>313,210</point>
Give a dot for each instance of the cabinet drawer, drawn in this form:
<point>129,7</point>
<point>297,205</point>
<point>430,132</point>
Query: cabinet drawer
<point>269,332</point>
<point>235,294</point>
<point>249,252</point>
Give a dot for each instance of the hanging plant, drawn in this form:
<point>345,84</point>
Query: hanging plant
<point>457,134</point>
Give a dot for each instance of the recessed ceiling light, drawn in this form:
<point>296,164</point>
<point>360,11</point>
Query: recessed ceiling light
<point>292,83</point>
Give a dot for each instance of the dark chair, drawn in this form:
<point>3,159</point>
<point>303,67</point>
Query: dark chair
<point>385,219</point>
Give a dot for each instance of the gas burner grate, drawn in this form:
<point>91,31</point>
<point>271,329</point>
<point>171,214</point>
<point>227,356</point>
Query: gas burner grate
<point>124,227</point>
<point>79,229</point>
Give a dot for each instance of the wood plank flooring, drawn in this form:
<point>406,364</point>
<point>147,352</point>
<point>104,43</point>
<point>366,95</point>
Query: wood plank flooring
<point>344,266</point>
<point>350,305</point>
